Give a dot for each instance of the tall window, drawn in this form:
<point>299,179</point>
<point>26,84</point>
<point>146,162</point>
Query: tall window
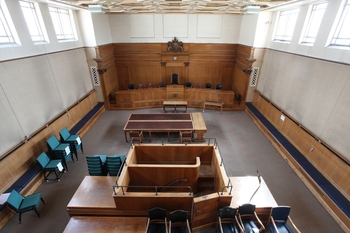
<point>314,23</point>
<point>285,25</point>
<point>6,36</point>
<point>341,36</point>
<point>63,23</point>
<point>32,19</point>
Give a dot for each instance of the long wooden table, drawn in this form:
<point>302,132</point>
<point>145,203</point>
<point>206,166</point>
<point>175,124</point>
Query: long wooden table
<point>175,104</point>
<point>165,122</point>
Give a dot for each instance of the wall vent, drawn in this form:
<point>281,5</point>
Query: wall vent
<point>94,74</point>
<point>254,76</point>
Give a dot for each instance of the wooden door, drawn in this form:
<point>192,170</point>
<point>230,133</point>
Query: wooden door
<point>123,77</point>
<point>205,211</point>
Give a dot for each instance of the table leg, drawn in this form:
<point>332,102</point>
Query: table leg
<point>200,136</point>
<point>126,137</point>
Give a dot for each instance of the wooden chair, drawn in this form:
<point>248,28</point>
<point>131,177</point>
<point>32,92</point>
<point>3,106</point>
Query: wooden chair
<point>186,136</point>
<point>136,136</point>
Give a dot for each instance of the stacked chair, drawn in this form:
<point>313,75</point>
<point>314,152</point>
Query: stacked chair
<point>279,220</point>
<point>114,164</point>
<point>74,141</point>
<point>22,204</point>
<point>50,166</point>
<point>59,150</point>
<point>96,165</point>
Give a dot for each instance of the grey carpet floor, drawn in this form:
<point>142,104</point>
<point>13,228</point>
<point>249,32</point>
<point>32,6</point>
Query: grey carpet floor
<point>244,148</point>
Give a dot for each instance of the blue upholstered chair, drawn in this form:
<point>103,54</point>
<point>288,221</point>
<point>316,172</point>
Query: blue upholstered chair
<point>50,166</point>
<point>74,141</point>
<point>228,220</point>
<point>179,222</point>
<point>22,204</point>
<point>279,220</point>
<point>156,221</point>
<point>247,218</point>
<point>114,164</point>
<point>96,165</point>
<point>162,84</point>
<point>59,150</point>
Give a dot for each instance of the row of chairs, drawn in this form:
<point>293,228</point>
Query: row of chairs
<point>244,218</point>
<point>207,85</point>
<point>102,165</point>
<point>157,221</point>
<point>187,85</point>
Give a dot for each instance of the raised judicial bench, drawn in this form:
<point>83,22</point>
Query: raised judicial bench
<point>34,170</point>
<point>213,103</point>
<point>338,198</point>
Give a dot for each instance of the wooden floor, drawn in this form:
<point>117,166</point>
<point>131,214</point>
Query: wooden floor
<point>92,206</point>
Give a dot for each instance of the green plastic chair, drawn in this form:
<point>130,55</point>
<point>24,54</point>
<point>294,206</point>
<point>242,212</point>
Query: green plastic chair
<point>59,150</point>
<point>22,204</point>
<point>74,141</point>
<point>96,165</point>
<point>50,166</point>
<point>114,164</point>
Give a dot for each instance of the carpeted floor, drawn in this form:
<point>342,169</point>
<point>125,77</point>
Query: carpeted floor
<point>243,146</point>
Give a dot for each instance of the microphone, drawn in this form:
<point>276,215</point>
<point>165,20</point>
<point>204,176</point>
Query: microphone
<point>259,178</point>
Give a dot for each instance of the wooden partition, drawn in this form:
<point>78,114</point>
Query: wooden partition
<point>123,64</point>
<point>331,165</point>
<point>154,97</point>
<point>21,159</point>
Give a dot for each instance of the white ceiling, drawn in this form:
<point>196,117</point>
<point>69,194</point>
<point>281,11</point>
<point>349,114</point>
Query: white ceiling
<point>177,6</point>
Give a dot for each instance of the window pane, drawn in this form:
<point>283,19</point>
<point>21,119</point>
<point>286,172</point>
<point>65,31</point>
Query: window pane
<point>5,32</point>
<point>31,17</point>
<point>62,22</point>
<point>314,22</point>
<point>342,33</point>
<point>286,24</point>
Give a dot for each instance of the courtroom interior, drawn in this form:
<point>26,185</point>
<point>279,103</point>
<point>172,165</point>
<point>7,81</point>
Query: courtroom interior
<point>112,111</point>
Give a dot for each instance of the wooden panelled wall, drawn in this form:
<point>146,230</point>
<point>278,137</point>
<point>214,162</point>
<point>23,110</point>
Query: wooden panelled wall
<point>20,159</point>
<point>226,64</point>
<point>332,166</point>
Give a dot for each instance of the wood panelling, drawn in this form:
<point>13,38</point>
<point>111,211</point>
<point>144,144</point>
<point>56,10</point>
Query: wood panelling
<point>323,159</point>
<point>146,63</point>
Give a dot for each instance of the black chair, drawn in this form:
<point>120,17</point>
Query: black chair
<point>208,85</point>
<point>22,204</point>
<point>247,217</point>
<point>162,84</point>
<point>228,221</point>
<point>218,87</point>
<point>174,79</point>
<point>131,86</point>
<point>278,220</point>
<point>188,84</point>
<point>179,222</point>
<point>156,221</point>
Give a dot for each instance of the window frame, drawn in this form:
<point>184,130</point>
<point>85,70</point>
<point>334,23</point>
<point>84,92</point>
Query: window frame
<point>60,17</point>
<point>8,28</point>
<point>38,22</point>
<point>307,38</point>
<point>284,37</point>
<point>339,28</point>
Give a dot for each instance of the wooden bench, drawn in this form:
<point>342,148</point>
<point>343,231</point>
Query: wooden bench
<point>175,104</point>
<point>213,103</point>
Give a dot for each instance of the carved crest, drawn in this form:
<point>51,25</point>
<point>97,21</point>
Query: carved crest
<point>175,46</point>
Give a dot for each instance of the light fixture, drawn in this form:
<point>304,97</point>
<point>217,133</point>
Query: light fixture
<point>251,10</point>
<point>96,9</point>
